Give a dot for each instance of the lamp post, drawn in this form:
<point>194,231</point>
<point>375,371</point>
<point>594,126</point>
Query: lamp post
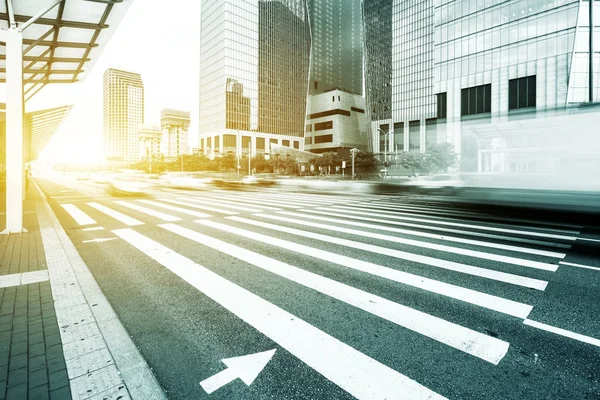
<point>249,154</point>
<point>353,152</point>
<point>385,135</point>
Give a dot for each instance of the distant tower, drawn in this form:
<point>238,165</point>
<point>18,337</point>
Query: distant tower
<point>175,124</point>
<point>123,112</point>
<point>149,138</point>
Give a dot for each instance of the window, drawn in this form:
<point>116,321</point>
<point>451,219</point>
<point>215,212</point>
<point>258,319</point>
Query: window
<point>321,126</point>
<point>323,139</point>
<point>285,143</point>
<point>476,100</point>
<point>309,128</point>
<point>441,105</point>
<point>296,144</point>
<point>521,92</point>
<point>308,140</point>
<point>398,135</point>
<point>414,135</point>
<point>260,143</point>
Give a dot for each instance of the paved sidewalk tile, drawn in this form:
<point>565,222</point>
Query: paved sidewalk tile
<point>32,365</point>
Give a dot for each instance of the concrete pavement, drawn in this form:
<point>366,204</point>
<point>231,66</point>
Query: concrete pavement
<point>360,296</point>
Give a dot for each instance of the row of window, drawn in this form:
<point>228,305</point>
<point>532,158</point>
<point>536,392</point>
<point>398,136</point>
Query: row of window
<point>229,141</point>
<point>478,99</point>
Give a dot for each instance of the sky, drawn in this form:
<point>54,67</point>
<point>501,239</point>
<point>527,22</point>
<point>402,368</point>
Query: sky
<point>158,39</point>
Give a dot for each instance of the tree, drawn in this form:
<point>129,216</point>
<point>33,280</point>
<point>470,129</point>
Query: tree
<point>365,160</point>
<point>440,157</point>
<point>415,162</point>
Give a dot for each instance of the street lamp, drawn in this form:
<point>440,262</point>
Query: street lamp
<point>353,151</point>
<point>385,134</point>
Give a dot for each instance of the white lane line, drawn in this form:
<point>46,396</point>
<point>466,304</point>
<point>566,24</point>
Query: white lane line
<point>485,300</point>
<point>116,215</point>
<point>96,228</point>
<point>229,204</point>
<point>589,240</point>
<point>537,284</point>
<point>563,332</point>
<point>149,211</point>
<point>200,207</point>
<point>24,278</point>
<point>386,214</point>
<point>79,216</point>
<point>461,338</point>
<point>299,200</point>
<point>579,265</point>
<point>177,209</point>
<point>353,371</point>
<point>429,235</point>
<point>437,212</point>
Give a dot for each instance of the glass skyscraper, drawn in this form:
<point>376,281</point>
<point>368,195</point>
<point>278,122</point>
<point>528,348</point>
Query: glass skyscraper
<point>337,46</point>
<point>254,72</point>
<point>465,71</point>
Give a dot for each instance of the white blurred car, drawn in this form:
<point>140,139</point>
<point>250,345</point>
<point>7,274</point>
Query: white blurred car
<point>444,183</point>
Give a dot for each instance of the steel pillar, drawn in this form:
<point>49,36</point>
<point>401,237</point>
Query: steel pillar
<point>15,168</point>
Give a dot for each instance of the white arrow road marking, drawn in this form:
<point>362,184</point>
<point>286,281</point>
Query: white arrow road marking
<point>246,368</point>
<point>358,374</point>
<point>472,342</point>
<point>481,299</point>
<point>98,240</point>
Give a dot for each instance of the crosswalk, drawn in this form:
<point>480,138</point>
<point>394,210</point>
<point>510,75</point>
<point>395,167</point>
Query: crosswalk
<point>485,265</point>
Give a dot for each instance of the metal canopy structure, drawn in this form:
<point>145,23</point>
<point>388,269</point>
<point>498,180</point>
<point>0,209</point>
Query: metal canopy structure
<point>44,42</point>
<point>62,45</point>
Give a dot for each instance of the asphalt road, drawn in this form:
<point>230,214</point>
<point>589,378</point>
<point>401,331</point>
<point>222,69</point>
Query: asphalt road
<point>360,296</point>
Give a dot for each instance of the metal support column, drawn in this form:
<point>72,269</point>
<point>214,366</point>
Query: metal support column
<point>591,60</point>
<point>15,167</point>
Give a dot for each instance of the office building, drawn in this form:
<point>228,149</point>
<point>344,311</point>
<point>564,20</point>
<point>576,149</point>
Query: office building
<point>254,72</point>
<point>174,124</point>
<point>481,75</point>
<point>338,122</point>
<point>337,46</point>
<point>123,113</point>
<point>149,137</point>
<point>335,117</point>
<point>38,128</point>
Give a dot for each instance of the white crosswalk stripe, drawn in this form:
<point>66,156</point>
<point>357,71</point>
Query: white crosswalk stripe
<point>435,262</point>
<point>177,209</point>
<point>115,214</point>
<point>425,234</point>
<point>231,204</point>
<point>394,215</point>
<point>488,301</point>
<point>467,340</point>
<point>151,212</point>
<point>361,376</point>
<point>79,216</point>
<point>207,208</point>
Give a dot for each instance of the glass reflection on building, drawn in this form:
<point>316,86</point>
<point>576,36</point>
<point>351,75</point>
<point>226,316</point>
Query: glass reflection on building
<point>253,74</point>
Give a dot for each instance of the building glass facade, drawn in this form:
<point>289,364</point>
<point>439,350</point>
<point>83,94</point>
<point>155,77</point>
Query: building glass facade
<point>337,46</point>
<point>123,113</point>
<point>254,70</point>
<point>467,70</point>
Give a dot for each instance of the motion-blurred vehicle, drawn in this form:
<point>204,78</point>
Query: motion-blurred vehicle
<point>260,181</point>
<point>129,185</point>
<point>185,180</point>
<point>438,184</point>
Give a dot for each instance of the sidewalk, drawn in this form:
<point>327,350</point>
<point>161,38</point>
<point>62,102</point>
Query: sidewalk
<point>59,336</point>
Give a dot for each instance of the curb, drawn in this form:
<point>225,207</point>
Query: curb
<point>102,360</point>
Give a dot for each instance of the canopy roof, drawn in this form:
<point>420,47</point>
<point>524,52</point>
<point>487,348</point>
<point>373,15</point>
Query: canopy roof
<point>63,45</point>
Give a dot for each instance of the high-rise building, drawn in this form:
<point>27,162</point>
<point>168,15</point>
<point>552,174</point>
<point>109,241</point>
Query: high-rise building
<point>254,72</point>
<point>175,124</point>
<point>337,46</point>
<point>335,118</point>
<point>150,138</point>
<point>123,112</point>
<point>493,78</point>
